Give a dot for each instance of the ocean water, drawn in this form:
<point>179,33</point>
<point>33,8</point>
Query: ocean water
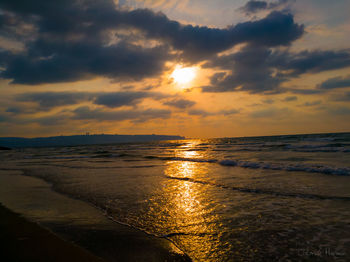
<point>281,198</point>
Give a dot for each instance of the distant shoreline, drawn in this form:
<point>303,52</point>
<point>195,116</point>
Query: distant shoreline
<point>7,143</point>
<point>79,140</point>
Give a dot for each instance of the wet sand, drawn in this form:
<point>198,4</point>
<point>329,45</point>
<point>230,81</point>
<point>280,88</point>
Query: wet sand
<point>23,240</point>
<point>69,221</point>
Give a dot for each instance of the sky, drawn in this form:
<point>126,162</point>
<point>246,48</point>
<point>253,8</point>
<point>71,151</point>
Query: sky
<point>196,68</point>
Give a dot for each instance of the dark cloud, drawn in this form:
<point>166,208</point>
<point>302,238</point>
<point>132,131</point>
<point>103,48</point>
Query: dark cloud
<point>51,120</point>
<point>4,118</point>
<point>48,120</point>
<point>198,42</point>
<point>342,98</point>
<point>313,103</point>
<point>14,110</point>
<point>74,40</point>
<point>63,62</point>
<point>73,43</point>
<point>310,61</point>
<point>290,99</point>
<point>339,111</point>
<point>180,103</point>
<point>258,69</point>
<point>15,27</point>
<point>119,99</point>
<point>86,113</point>
<point>278,28</point>
<point>204,113</point>
<point>253,6</point>
<point>48,100</point>
<point>198,112</point>
<point>303,91</point>
<point>17,109</point>
<point>99,114</point>
<point>336,82</point>
<point>6,21</point>
<point>268,101</point>
<point>64,50</point>
<point>249,71</point>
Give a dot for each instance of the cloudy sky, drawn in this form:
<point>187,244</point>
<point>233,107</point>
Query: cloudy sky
<point>197,68</point>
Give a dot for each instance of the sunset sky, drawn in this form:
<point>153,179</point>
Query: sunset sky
<point>197,68</point>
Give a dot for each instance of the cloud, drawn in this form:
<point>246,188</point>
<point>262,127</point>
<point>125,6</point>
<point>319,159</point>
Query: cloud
<point>15,28</point>
<point>47,100</point>
<point>270,112</point>
<point>342,98</point>
<point>311,61</point>
<point>204,113</point>
<point>118,99</point>
<point>65,51</point>
<point>336,82</point>
<point>67,62</point>
<point>13,110</point>
<point>198,112</point>
<point>290,99</point>
<point>259,69</point>
<point>303,91</point>
<point>253,6</point>
<point>278,28</point>
<point>229,112</point>
<point>313,103</point>
<point>268,101</point>
<point>4,118</point>
<point>82,113</point>
<point>86,113</point>
<point>51,120</point>
<point>46,120</point>
<point>180,103</point>
<point>248,70</point>
<point>339,111</point>
<point>62,49</point>
<point>198,42</point>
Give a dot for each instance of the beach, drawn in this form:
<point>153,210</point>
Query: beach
<point>53,227</point>
<point>22,240</point>
<point>234,199</point>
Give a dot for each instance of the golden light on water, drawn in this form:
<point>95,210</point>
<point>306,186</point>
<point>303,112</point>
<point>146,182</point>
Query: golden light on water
<point>183,75</point>
<point>188,203</point>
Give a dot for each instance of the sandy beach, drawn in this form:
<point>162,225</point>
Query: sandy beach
<point>23,240</point>
<point>48,226</point>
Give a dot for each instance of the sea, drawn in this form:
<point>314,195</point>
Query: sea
<point>272,198</point>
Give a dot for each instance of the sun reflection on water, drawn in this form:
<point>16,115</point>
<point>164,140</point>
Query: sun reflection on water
<point>189,205</point>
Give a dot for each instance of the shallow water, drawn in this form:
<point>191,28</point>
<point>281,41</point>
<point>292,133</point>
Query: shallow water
<point>231,199</point>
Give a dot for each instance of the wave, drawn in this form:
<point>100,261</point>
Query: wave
<point>340,171</point>
<point>262,191</point>
<point>311,168</point>
<point>335,147</point>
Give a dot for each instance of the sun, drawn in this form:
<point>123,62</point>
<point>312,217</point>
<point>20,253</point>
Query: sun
<point>183,75</point>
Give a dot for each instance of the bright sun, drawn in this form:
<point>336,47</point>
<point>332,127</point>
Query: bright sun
<point>184,75</point>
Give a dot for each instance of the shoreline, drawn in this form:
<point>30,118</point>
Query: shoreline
<point>68,220</point>
<point>23,240</point>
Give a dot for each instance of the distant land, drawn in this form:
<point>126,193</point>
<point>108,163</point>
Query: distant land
<point>20,142</point>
